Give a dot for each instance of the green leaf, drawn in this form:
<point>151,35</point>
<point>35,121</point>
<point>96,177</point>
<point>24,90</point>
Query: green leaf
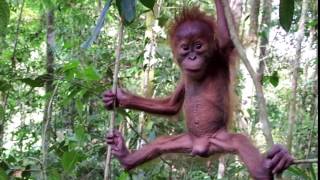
<point>26,173</point>
<point>91,74</point>
<point>264,33</point>
<point>312,23</point>
<point>127,10</point>
<point>80,133</point>
<point>265,79</point>
<point>149,125</point>
<point>123,176</point>
<point>4,16</point>
<point>123,112</point>
<point>313,173</point>
<point>69,160</point>
<point>4,85</point>
<point>3,165</point>
<point>60,148</point>
<point>286,13</point>
<point>298,172</point>
<point>3,175</point>
<point>274,79</point>
<point>148,3</point>
<point>71,65</point>
<point>163,20</point>
<point>48,4</point>
<point>79,106</point>
<point>71,69</point>
<point>72,92</point>
<point>38,82</point>
<point>54,175</point>
<point>42,78</point>
<point>1,113</point>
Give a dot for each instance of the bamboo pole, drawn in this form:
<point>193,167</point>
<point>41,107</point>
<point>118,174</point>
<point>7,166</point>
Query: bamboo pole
<point>107,174</point>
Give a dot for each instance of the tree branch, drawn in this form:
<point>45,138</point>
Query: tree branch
<point>107,175</point>
<point>305,161</point>
<point>259,89</point>
<point>237,43</point>
<point>17,36</point>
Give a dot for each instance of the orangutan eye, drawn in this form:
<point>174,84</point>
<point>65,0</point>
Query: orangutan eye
<point>184,47</point>
<point>198,46</point>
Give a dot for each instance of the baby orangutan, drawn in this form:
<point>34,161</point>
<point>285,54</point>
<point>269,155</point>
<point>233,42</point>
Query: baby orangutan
<point>203,50</point>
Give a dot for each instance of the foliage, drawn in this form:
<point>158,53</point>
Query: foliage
<point>79,120</point>
<point>286,13</point>
<point>4,17</point>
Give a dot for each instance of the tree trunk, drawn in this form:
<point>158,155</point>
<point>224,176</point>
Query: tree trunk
<point>3,107</point>
<point>259,89</point>
<point>149,58</point>
<point>295,75</point>
<point>314,112</point>
<point>314,108</point>
<point>99,6</point>
<point>221,167</point>
<point>254,20</point>
<point>242,32</point>
<point>263,116</point>
<point>265,23</point>
<point>236,7</point>
<point>14,58</point>
<point>5,95</point>
<point>49,89</point>
<point>264,41</point>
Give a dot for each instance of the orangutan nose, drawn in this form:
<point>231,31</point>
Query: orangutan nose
<point>192,57</point>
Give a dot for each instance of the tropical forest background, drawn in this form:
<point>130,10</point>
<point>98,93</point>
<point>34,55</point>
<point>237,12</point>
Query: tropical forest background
<point>57,57</point>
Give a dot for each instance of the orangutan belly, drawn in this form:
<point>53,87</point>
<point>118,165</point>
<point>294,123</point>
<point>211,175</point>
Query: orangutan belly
<point>203,116</point>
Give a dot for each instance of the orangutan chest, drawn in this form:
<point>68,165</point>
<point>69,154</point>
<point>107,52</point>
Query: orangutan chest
<point>203,114</point>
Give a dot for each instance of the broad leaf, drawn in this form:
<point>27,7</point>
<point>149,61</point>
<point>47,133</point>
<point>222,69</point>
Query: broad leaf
<point>286,13</point>
<point>38,82</point>
<point>80,133</point>
<point>79,106</point>
<point>91,74</point>
<point>4,16</point>
<point>4,85</point>
<point>1,113</point>
<point>313,173</point>
<point>71,65</point>
<point>26,173</point>
<point>298,172</point>
<point>3,165</point>
<point>54,174</point>
<point>123,176</point>
<point>312,23</point>
<point>274,79</point>
<point>150,125</point>
<point>264,33</point>
<point>60,148</point>
<point>48,4</point>
<point>69,160</point>
<point>148,3</point>
<point>3,174</point>
<point>127,9</point>
<point>163,20</point>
